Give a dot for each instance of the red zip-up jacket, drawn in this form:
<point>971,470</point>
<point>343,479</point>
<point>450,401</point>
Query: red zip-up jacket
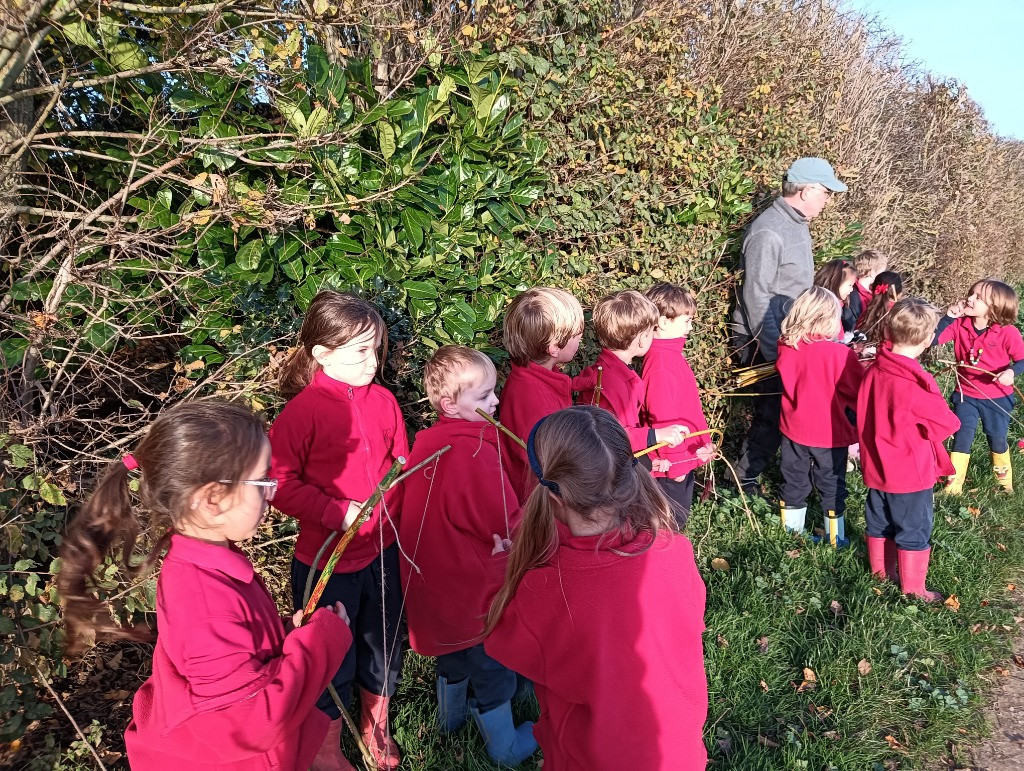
<point>450,512</point>
<point>902,421</point>
<point>612,643</point>
<point>230,690</point>
<point>992,349</point>
<point>820,381</point>
<point>622,394</point>
<point>529,394</point>
<point>671,398</point>
<point>332,444</point>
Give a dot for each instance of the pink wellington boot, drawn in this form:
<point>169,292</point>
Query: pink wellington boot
<point>882,557</point>
<point>330,757</point>
<point>913,570</point>
<point>373,725</point>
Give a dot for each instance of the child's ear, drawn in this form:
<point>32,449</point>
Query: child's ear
<point>318,353</point>
<point>663,322</point>
<point>207,501</point>
<point>448,407</point>
<point>554,350</point>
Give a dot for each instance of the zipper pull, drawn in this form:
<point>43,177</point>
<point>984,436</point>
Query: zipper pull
<point>351,393</point>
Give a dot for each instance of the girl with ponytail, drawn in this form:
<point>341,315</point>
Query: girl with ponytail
<point>602,605</point>
<point>886,290</point>
<point>234,685</point>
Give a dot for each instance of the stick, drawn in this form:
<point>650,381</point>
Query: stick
<point>64,709</point>
<point>652,448</point>
<point>597,386</point>
<point>497,424</point>
<point>350,533</point>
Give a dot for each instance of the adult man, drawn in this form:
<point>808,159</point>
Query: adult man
<point>777,266</point>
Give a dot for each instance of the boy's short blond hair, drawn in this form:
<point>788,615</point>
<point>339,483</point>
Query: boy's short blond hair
<point>871,262</point>
<point>672,300</point>
<point>912,321</point>
<point>620,317</point>
<point>451,369</point>
<point>814,316</point>
<point>538,318</point>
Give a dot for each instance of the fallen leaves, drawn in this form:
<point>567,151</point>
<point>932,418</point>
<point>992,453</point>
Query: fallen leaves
<point>810,681</point>
<point>952,602</point>
<point>762,644</point>
<point>720,563</point>
<point>864,667</point>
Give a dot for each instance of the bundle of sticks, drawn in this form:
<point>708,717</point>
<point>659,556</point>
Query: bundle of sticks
<point>746,376</point>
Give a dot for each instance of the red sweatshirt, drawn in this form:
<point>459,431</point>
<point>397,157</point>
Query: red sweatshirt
<point>613,646</point>
<point>819,384</point>
<point>449,517</point>
<point>902,421</point>
<point>622,394</point>
<point>331,445</point>
<point>671,398</point>
<point>529,394</point>
<point>229,690</point>
<point>992,349</point>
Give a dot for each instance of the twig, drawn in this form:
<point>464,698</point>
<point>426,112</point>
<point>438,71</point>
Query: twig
<point>497,424</point>
<point>64,709</point>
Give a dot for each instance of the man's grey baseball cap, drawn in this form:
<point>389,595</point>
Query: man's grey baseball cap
<point>808,171</point>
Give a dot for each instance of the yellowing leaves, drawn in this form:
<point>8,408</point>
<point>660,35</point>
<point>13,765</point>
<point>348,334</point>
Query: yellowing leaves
<point>720,563</point>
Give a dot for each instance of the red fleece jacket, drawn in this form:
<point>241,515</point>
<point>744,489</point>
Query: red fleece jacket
<point>992,349</point>
<point>230,690</point>
<point>530,393</point>
<point>671,397</point>
<point>820,382</point>
<point>622,394</point>
<point>450,513</point>
<point>331,445</point>
<point>902,421</point>
<point>613,646</point>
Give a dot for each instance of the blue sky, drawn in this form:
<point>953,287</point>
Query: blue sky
<point>978,43</point>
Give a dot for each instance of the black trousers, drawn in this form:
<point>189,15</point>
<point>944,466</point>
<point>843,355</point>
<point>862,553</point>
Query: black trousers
<point>907,518</point>
<point>493,684</point>
<point>680,495</point>
<point>818,468</point>
<point>763,439</point>
<point>373,601</point>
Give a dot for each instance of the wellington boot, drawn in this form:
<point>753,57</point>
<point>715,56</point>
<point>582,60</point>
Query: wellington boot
<point>329,757</point>
<point>452,704</point>
<point>955,485</point>
<point>835,530</point>
<point>1003,470</point>
<point>882,558</point>
<point>793,519</point>
<point>373,726</point>
<point>505,742</point>
<point>913,571</point>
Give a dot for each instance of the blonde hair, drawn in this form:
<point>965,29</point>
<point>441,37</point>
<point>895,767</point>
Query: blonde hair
<point>586,453</point>
<point>912,321</point>
<point>871,262</point>
<point>333,319</point>
<point>671,300</point>
<point>620,317</point>
<point>450,369</point>
<point>1003,304</point>
<point>815,315</point>
<point>538,318</point>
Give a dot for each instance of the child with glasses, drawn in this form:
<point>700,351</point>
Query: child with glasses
<point>332,444</point>
<point>234,685</point>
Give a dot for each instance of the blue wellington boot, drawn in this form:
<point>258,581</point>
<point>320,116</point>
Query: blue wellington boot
<point>505,742</point>
<point>452,704</point>
<point>835,531</point>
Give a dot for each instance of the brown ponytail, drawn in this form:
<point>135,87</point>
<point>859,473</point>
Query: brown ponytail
<point>333,319</point>
<point>187,447</point>
<point>586,452</point>
<point>886,289</point>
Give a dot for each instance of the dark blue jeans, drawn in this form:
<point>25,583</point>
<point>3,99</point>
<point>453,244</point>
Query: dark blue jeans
<point>905,517</point>
<point>993,414</point>
<point>492,683</point>
<point>374,661</point>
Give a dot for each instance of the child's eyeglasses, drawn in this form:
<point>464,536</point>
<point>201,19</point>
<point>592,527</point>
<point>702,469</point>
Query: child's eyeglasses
<point>269,485</point>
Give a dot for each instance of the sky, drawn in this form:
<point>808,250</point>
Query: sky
<point>978,43</point>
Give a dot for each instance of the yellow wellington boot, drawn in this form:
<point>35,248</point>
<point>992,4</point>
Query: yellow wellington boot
<point>955,486</point>
<point>1003,470</point>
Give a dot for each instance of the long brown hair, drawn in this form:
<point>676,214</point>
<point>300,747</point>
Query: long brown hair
<point>586,453</point>
<point>886,289</point>
<point>333,319</point>
<point>188,446</point>
<point>833,274</point>
<point>1003,304</point>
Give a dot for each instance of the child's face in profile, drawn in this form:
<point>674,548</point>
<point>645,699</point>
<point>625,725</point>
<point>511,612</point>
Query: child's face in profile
<point>567,352</point>
<point>477,393</point>
<point>680,326</point>
<point>354,363</point>
<point>977,305</point>
<point>846,289</point>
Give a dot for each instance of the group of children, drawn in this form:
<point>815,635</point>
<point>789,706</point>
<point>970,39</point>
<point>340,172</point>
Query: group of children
<point>547,555</point>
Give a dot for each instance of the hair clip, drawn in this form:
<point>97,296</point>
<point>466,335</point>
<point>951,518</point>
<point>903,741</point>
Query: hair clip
<point>531,453</point>
<point>881,289</point>
<point>129,461</point>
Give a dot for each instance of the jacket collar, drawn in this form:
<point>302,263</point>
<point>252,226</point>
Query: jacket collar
<point>619,540</point>
<point>669,344</point>
<point>445,426</point>
<point>613,363</point>
<point>338,390</point>
<point>904,367</point>
<point>789,211</point>
<point>210,557</point>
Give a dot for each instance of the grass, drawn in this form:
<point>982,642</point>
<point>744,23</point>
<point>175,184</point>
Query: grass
<point>896,683</point>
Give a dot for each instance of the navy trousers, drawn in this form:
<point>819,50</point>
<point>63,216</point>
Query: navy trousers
<point>493,684</point>
<point>993,414</point>
<point>819,468</point>
<point>905,517</point>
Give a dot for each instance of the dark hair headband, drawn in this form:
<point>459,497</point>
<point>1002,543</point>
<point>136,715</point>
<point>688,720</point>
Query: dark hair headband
<point>531,453</point>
